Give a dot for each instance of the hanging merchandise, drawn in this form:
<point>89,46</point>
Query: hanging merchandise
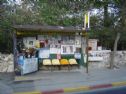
<point>58,56</point>
<point>42,44</point>
<point>37,44</point>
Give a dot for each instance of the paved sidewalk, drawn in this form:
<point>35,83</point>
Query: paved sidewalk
<point>6,80</point>
<point>70,79</point>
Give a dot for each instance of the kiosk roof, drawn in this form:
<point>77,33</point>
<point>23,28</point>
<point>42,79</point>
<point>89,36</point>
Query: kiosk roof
<point>41,28</point>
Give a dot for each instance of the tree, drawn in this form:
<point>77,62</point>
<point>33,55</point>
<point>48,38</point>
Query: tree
<point>120,26</point>
<point>114,21</point>
<point>63,12</point>
<point>5,36</point>
<point>45,12</point>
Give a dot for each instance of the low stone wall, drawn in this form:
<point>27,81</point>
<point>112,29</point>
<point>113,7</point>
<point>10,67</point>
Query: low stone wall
<point>6,63</point>
<point>120,60</point>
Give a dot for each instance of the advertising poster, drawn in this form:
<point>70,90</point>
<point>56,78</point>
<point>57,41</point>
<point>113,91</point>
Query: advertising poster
<point>30,65</point>
<point>44,53</point>
<point>67,49</point>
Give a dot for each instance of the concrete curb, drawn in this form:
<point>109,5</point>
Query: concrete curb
<point>82,88</point>
<point>25,79</point>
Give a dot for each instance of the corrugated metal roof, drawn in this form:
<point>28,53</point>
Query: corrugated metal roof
<point>46,28</point>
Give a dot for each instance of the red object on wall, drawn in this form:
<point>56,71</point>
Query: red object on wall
<point>58,56</point>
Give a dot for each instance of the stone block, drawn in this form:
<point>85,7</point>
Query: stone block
<point>10,68</point>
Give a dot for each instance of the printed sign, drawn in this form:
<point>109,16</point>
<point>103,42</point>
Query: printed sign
<point>44,53</point>
<point>30,65</point>
<point>67,49</point>
<point>77,55</point>
<point>87,20</point>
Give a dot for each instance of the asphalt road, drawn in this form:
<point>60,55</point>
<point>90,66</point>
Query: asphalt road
<point>113,90</point>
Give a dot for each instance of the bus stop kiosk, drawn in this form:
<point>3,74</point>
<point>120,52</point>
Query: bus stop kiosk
<point>35,46</point>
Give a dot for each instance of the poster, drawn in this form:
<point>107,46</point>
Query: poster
<point>67,49</point>
<point>44,53</point>
<point>78,41</point>
<point>30,65</point>
<point>77,55</point>
<point>55,49</point>
<point>29,42</point>
<point>93,44</point>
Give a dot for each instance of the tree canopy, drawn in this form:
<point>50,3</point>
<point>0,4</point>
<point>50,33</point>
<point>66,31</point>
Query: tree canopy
<point>107,17</point>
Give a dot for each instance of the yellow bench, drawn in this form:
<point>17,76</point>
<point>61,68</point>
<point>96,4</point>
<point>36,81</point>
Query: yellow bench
<point>47,63</point>
<point>60,63</point>
<point>56,63</point>
<point>65,62</point>
<point>73,62</point>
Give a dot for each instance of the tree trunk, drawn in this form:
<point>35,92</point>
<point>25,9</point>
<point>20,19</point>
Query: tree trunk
<point>106,15</point>
<point>114,51</point>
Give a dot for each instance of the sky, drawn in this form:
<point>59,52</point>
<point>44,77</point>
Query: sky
<point>18,2</point>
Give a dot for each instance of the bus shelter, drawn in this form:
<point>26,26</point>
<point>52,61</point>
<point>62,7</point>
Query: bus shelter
<point>47,48</point>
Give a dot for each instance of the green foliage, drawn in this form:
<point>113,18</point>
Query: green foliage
<point>66,13</point>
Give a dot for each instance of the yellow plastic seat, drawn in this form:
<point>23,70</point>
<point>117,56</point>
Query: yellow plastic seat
<point>64,62</point>
<point>73,61</point>
<point>47,62</point>
<point>55,62</point>
<point>37,44</point>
